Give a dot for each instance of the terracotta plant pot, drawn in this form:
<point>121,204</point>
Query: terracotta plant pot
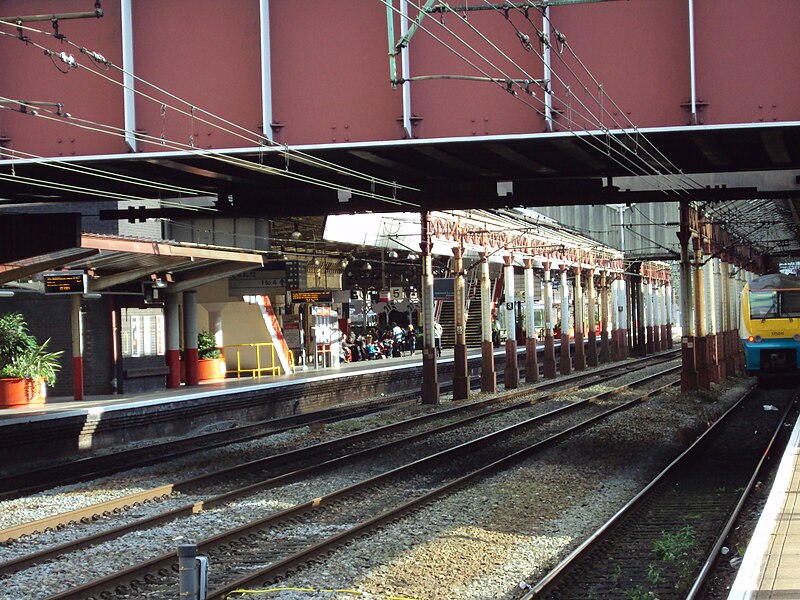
<point>211,369</point>
<point>22,392</point>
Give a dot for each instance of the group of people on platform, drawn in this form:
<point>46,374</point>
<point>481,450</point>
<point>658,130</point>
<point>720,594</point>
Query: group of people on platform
<point>375,344</point>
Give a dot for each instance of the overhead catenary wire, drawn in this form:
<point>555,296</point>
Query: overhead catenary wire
<point>119,132</point>
<point>620,111</point>
<point>100,173</point>
<point>588,140</point>
<point>192,113</point>
<point>596,120</point>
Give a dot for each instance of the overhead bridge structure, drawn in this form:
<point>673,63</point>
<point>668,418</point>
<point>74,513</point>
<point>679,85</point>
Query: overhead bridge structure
<point>154,117</point>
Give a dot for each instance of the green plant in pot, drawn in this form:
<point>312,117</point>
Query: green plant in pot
<point>211,364</point>
<point>207,346</point>
<point>24,360</point>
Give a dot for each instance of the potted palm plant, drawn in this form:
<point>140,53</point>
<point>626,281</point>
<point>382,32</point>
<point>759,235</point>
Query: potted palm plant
<point>26,366</point>
<point>211,365</point>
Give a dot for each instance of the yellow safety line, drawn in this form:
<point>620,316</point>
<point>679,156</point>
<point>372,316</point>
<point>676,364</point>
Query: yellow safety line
<point>310,590</point>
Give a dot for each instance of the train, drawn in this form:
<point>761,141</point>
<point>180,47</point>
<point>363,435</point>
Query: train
<point>770,326</point>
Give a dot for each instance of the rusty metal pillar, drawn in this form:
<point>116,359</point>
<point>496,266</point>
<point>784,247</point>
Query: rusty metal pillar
<point>727,318</point>
<point>531,362</point>
<point>605,354</point>
<point>649,314</point>
<point>641,316</point>
<point>579,362</point>
<point>689,377</point>
<point>701,339</point>
<point>460,370</point>
<point>616,314</point>
<point>549,356</point>
<point>712,316</point>
<point>564,362</point>
<point>740,281</point>
<point>511,377</point>
<point>488,374</point>
<point>591,300</point>
<point>430,375</point>
<point>670,314</point>
<point>624,319</point>
<point>662,304</point>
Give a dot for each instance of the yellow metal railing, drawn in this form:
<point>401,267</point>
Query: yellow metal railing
<point>257,352</point>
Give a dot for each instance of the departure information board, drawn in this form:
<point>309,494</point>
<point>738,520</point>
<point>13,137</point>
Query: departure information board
<point>65,282</point>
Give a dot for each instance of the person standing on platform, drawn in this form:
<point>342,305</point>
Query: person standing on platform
<point>399,336</point>
<point>437,337</point>
<point>411,340</point>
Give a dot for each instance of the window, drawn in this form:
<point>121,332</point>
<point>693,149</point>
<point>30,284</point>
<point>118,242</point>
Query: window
<point>142,332</point>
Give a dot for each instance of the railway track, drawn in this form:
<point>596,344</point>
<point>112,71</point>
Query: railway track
<point>451,426</point>
<point>664,542</point>
<point>281,468</point>
<point>83,469</point>
<point>15,485</point>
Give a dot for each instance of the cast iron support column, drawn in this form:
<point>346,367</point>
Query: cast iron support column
<point>190,357</point>
<point>605,355</point>
<point>76,320</point>
<point>616,314</point>
<point>722,333</point>
<point>580,349</point>
<point>565,362</point>
<point>591,301</point>
<point>689,379</point>
<point>662,307</point>
<point>650,323</point>
<point>549,356</point>
<point>728,327</point>
<point>511,369</point>
<point>173,333</point>
<point>641,316</point>
<point>701,341</point>
<point>623,317</point>
<point>740,279</point>
<point>655,314</point>
<point>488,374</point>
<point>670,313</point>
<point>430,376</point>
<point>460,371</point>
<point>712,318</point>
<point>531,362</point>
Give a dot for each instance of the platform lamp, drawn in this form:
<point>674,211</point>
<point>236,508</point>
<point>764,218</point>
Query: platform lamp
<point>412,256</point>
<point>296,235</point>
<point>393,254</point>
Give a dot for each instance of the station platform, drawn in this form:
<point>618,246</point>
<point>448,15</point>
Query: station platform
<point>61,406</point>
<point>770,568</point>
<point>63,428</point>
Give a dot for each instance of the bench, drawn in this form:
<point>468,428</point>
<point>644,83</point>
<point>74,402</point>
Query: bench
<point>146,372</point>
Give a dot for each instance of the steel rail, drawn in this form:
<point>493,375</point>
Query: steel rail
<point>84,515</point>
<point>36,480</point>
<point>549,582</point>
<point>281,567</point>
<point>165,561</point>
<point>88,513</point>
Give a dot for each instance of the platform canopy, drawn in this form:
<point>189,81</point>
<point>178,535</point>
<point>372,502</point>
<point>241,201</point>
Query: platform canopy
<point>116,264</point>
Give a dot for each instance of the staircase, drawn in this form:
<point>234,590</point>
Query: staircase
<point>447,319</point>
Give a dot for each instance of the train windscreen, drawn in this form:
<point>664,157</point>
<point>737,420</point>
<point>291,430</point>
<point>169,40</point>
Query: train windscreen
<point>775,304</point>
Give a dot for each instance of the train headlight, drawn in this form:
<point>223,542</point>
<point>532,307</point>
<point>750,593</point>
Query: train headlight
<point>756,338</point>
<point>796,337</point>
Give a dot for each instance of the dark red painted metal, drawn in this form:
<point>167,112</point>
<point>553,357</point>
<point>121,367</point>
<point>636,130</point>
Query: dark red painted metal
<point>330,73</point>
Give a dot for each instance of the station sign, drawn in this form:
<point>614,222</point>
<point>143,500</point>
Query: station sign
<point>65,282</point>
<point>311,296</point>
<point>258,282</point>
<point>444,288</point>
